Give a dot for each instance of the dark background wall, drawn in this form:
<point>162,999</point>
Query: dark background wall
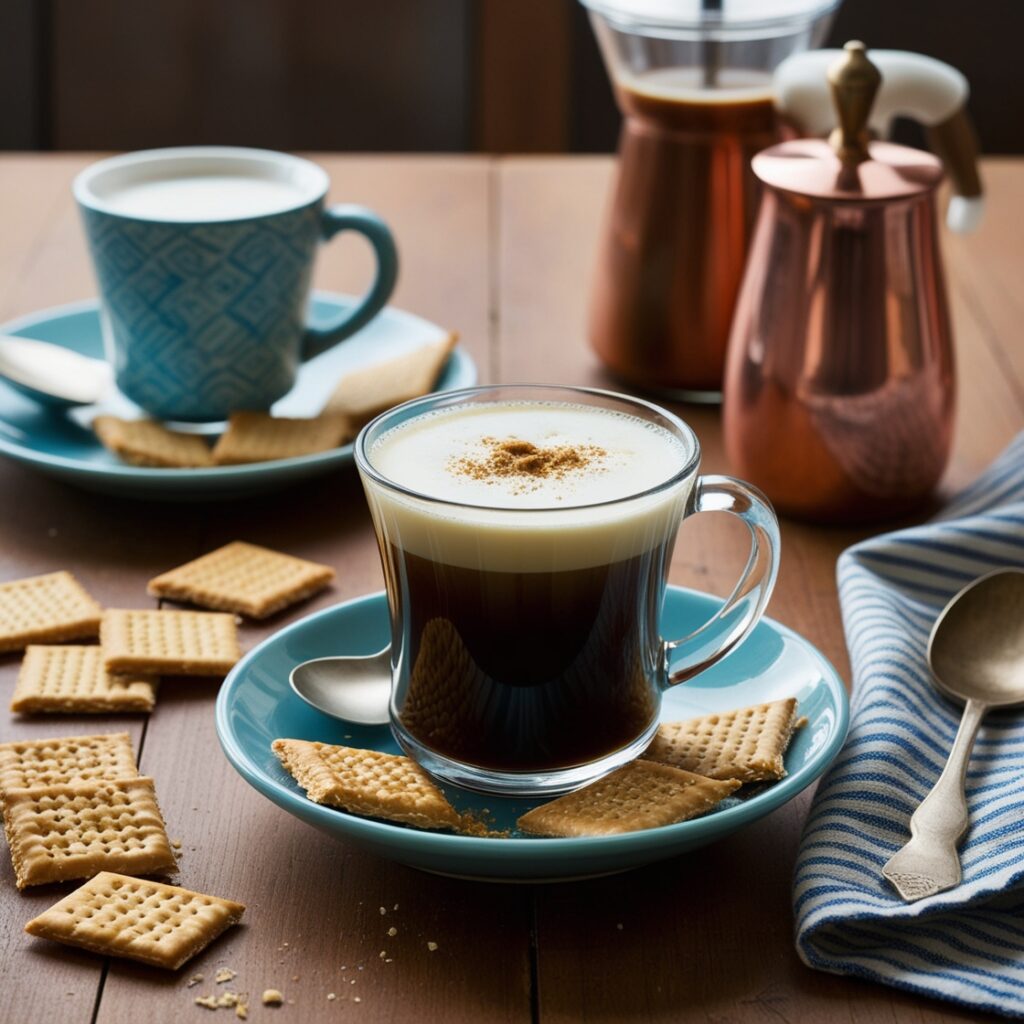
<point>394,75</point>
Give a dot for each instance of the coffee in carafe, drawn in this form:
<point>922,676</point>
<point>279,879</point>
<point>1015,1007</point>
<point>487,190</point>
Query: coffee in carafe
<point>693,82</point>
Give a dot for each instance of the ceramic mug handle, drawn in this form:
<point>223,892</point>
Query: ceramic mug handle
<point>737,617</point>
<point>367,223</point>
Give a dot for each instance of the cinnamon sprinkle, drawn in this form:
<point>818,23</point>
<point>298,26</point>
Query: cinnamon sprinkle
<point>526,461</point>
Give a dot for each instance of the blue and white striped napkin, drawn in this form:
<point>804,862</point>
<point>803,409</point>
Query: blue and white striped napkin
<point>965,945</point>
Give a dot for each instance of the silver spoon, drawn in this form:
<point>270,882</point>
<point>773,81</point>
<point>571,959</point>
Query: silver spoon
<point>354,689</point>
<point>976,654</point>
<point>51,374</point>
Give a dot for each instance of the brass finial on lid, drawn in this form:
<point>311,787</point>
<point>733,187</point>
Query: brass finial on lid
<point>855,81</point>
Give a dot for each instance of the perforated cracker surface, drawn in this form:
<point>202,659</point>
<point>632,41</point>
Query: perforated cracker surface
<point>47,608</point>
<point>366,782</point>
<point>746,744</point>
<point>116,915</point>
<point>61,760</point>
<point>74,831</point>
<point>148,443</point>
<point>72,679</point>
<point>173,642</point>
<point>364,393</point>
<point>260,437</point>
<point>638,796</point>
<point>243,578</point>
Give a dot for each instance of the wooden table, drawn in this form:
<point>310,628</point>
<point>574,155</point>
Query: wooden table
<point>502,251</point>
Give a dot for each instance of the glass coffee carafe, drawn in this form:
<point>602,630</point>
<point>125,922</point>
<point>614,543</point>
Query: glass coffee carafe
<point>693,81</point>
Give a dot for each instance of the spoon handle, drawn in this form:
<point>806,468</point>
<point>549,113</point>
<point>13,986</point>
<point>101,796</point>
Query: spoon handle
<point>929,863</point>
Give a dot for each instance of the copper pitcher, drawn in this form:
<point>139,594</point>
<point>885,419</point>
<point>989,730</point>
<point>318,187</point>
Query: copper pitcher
<point>840,384</point>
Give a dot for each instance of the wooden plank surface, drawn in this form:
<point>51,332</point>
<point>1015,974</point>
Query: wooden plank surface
<point>503,253</point>
<point>709,935</point>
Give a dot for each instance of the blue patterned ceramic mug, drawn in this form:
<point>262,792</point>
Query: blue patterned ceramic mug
<point>204,257</point>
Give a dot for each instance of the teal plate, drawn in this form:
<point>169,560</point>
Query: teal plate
<point>62,445</point>
<point>256,706</point>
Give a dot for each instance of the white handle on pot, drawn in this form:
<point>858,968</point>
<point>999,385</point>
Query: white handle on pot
<point>914,86</point>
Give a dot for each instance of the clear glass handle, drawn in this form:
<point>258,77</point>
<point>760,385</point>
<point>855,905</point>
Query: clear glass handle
<point>737,617</point>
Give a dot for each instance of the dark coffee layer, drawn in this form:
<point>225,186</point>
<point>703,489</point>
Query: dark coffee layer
<point>528,671</point>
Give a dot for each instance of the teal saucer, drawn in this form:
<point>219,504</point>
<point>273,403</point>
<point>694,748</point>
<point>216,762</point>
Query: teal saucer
<point>61,443</point>
<point>256,706</point>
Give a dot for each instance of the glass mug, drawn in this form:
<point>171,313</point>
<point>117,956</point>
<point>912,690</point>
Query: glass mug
<point>525,647</point>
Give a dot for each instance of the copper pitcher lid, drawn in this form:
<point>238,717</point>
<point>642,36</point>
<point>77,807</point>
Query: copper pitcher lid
<point>811,167</point>
<point>849,167</point>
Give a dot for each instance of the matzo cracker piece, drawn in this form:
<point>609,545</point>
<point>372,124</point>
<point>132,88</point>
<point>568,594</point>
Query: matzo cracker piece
<point>116,915</point>
<point>172,643</point>
<point>72,679</point>
<point>366,782</point>
<point>46,609</point>
<point>746,744</point>
<point>260,437</point>
<point>60,832</point>
<point>364,393</point>
<point>639,795</point>
<point>243,578</point>
<point>62,760</point>
<point>148,443</point>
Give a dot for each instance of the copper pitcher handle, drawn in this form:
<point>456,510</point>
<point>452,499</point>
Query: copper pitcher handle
<point>730,626</point>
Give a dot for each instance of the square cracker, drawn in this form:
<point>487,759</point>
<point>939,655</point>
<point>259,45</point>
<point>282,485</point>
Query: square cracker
<point>746,744</point>
<point>148,443</point>
<point>363,393</point>
<point>260,437</point>
<point>72,679</point>
<point>367,782</point>
<point>60,832</point>
<point>637,796</point>
<point>175,643</point>
<point>46,609</point>
<point>61,760</point>
<point>243,578</point>
<point>158,924</point>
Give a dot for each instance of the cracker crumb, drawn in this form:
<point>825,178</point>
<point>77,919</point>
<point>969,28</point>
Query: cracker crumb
<point>271,997</point>
<point>295,977</point>
<point>383,911</point>
<point>431,946</point>
<point>396,906</point>
<point>382,954</point>
<point>223,975</point>
<point>242,1011</point>
<point>392,931</point>
<point>194,980</point>
<point>331,997</point>
<point>357,999</point>
<point>210,1002</point>
<point>176,843</point>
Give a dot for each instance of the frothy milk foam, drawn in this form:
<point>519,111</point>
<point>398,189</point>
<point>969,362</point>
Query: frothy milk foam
<point>205,197</point>
<point>522,523</point>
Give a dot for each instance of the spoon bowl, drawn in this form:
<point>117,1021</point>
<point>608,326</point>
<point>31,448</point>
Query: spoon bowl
<point>51,374</point>
<point>976,650</point>
<point>353,689</point>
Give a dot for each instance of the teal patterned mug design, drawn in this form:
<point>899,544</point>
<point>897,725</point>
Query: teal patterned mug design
<point>204,318</point>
